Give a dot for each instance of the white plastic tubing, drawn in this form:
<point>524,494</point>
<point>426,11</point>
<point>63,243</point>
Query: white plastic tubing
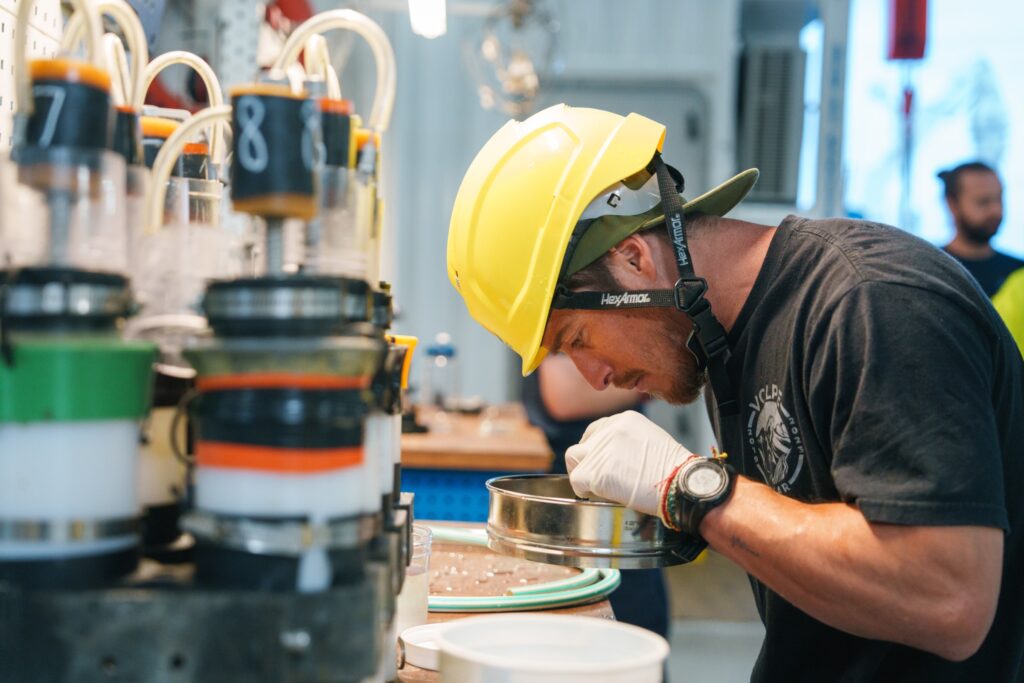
<point>318,63</point>
<point>168,154</point>
<point>22,82</point>
<point>209,78</point>
<point>143,72</point>
<point>383,55</point>
<point>128,21</point>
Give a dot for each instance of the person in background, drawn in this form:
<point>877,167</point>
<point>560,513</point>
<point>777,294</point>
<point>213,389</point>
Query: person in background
<point>1009,301</point>
<point>974,196</point>
<point>562,404</point>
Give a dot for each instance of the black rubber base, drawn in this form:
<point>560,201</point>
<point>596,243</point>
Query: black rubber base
<point>160,524</point>
<point>79,573</point>
<point>43,276</point>
<point>225,569</point>
<point>174,632</point>
<point>353,314</point>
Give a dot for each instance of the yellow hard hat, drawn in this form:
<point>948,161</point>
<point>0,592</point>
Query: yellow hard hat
<point>522,197</point>
<point>517,206</point>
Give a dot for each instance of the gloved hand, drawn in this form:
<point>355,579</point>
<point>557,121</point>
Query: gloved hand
<point>625,458</point>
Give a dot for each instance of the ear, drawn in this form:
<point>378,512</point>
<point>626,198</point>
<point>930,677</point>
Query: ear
<point>632,261</point>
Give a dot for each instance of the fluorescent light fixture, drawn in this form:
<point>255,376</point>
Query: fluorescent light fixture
<point>428,17</point>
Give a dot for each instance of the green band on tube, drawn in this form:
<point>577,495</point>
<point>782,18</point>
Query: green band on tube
<point>66,380</point>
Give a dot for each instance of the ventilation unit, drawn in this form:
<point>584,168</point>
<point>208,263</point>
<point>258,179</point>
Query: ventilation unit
<point>771,119</point>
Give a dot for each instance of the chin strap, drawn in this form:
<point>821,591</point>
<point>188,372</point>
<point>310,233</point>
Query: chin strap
<point>707,342</point>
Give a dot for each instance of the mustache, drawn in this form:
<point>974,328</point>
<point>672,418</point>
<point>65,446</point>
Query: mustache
<point>627,379</point>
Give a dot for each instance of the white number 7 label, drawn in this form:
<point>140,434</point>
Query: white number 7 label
<point>56,95</point>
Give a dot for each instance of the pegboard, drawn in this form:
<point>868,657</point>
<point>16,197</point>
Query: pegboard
<point>449,495</point>
<point>46,26</point>
<point>237,38</point>
<point>151,14</point>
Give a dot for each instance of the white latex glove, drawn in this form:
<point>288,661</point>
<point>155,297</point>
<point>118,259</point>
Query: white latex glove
<point>624,458</point>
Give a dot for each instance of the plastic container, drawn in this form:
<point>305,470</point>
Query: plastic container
<point>442,385</point>
<point>65,207</point>
<point>548,648</point>
<point>412,601</point>
<point>136,188</point>
<point>418,646</point>
<point>340,241</point>
<point>374,487</point>
<point>50,485</point>
<point>378,444</point>
<point>171,267</point>
<point>237,479</point>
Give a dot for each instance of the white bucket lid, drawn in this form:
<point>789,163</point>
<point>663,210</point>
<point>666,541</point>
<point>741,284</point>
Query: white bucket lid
<point>553,644</point>
<point>418,645</point>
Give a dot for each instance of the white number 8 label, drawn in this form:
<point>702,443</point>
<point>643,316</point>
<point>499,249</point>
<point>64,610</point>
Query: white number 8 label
<point>252,146</point>
<point>310,130</point>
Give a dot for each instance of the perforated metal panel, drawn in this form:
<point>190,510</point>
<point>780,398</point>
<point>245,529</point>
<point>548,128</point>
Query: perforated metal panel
<point>151,14</point>
<point>238,28</point>
<point>452,495</point>
<point>45,29</point>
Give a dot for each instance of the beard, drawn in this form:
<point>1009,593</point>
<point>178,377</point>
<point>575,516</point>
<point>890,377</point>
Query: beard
<point>687,381</point>
<point>667,358</point>
<point>980,233</point>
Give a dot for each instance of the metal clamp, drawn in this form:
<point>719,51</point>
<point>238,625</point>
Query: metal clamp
<point>66,299</point>
<point>282,303</point>
<point>78,530</point>
<point>285,537</point>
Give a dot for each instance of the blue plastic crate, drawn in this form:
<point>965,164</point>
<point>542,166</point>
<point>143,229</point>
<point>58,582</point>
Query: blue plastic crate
<point>453,495</point>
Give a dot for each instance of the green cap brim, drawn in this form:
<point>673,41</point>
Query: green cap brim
<point>607,231</point>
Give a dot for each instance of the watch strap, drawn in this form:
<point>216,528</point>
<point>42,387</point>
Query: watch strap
<point>687,511</point>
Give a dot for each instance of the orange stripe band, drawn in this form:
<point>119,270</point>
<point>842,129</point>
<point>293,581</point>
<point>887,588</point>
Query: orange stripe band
<point>279,380</point>
<point>71,70</point>
<point>365,135</point>
<point>157,127</point>
<point>266,90</point>
<point>336,106</point>
<point>269,459</point>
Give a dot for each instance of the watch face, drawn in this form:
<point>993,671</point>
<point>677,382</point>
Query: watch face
<point>704,480</point>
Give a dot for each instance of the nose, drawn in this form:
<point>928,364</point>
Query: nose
<point>597,372</point>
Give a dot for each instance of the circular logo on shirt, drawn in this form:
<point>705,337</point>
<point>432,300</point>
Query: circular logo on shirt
<point>774,439</point>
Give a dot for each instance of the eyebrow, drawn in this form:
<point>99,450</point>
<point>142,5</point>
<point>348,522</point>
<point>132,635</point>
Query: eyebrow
<point>559,339</point>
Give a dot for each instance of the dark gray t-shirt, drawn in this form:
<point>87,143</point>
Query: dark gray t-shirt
<point>991,272</point>
<point>871,370</point>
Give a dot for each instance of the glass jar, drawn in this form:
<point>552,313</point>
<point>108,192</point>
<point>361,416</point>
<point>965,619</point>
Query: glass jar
<point>412,601</point>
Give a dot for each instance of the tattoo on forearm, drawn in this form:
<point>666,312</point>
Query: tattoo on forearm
<point>739,543</point>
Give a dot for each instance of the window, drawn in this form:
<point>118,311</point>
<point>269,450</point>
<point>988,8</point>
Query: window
<point>968,94</point>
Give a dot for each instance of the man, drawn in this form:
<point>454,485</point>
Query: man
<point>974,196</point>
<point>867,394</point>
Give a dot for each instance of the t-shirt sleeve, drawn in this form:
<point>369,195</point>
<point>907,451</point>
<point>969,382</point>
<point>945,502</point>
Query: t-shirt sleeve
<point>901,384</point>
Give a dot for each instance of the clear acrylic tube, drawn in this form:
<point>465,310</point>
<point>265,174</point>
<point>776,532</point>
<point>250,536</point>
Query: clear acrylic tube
<point>65,207</point>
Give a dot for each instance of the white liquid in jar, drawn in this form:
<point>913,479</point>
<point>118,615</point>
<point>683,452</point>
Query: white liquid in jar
<point>412,601</point>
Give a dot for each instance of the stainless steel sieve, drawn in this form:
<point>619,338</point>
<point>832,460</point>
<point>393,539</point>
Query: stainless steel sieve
<point>538,517</point>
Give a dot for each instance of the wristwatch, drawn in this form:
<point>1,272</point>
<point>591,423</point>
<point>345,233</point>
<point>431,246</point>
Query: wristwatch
<point>702,484</point>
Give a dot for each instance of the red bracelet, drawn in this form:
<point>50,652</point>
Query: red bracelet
<point>666,489</point>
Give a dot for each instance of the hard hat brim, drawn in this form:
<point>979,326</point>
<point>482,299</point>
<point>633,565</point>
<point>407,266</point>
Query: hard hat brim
<point>607,231</point>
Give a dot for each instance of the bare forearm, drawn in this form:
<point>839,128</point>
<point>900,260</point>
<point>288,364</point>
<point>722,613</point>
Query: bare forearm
<point>866,579</point>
